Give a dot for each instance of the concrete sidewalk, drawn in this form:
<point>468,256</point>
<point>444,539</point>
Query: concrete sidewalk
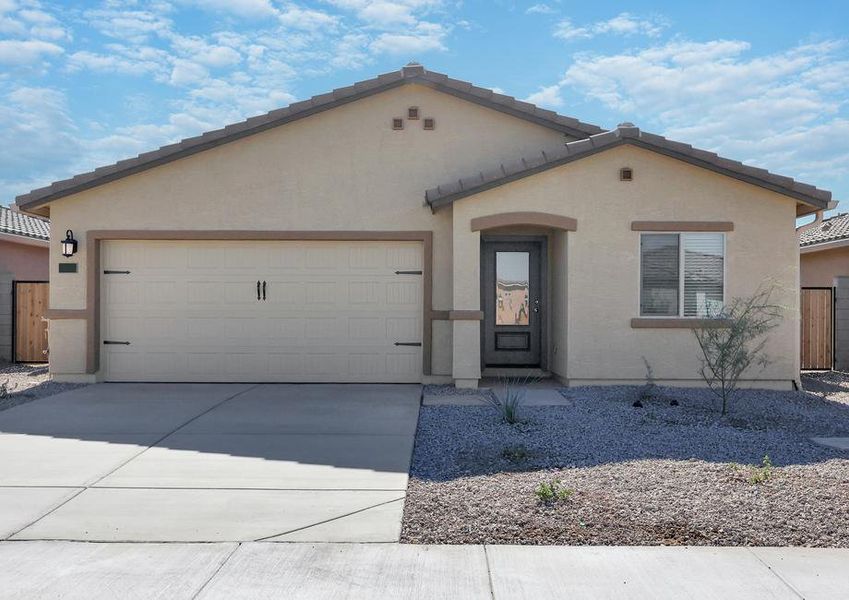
<point>376,571</point>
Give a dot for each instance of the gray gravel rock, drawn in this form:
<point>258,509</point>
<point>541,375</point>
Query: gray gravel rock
<point>655,475</point>
<point>26,382</point>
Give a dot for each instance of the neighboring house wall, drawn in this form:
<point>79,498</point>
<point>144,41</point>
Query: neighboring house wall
<point>841,325</point>
<point>5,316</point>
<point>602,262</point>
<point>21,262</point>
<point>344,169</point>
<point>818,269</point>
<point>24,262</point>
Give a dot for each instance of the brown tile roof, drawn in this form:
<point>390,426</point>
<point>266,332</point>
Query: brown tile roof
<point>412,73</point>
<point>626,133</point>
<point>24,225</point>
<point>829,230</point>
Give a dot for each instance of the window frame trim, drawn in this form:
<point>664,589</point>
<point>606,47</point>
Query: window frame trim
<point>681,268</point>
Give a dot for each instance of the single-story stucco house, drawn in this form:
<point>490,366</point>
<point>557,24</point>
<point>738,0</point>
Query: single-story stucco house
<point>24,258</point>
<point>414,228</point>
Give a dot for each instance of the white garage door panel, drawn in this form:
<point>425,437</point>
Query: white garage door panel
<point>333,311</point>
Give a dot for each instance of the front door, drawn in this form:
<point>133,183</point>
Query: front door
<point>512,300</point>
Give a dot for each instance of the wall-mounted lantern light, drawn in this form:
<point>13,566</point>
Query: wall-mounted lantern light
<point>69,244</point>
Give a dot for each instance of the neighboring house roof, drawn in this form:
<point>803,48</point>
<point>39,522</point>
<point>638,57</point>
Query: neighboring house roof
<point>412,73</point>
<point>626,133</point>
<point>829,230</point>
<point>16,223</point>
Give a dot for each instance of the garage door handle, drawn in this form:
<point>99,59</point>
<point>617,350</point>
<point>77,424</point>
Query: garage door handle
<point>257,289</point>
<point>112,342</point>
<point>263,289</point>
<point>408,343</point>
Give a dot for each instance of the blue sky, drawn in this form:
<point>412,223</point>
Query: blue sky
<point>84,84</point>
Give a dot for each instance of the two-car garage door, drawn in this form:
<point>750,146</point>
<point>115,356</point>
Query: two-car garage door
<point>261,311</point>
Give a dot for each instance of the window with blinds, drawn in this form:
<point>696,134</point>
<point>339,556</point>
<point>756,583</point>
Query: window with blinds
<point>682,274</point>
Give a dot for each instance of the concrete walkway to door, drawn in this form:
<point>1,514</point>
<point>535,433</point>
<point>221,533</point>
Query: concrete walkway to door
<point>211,463</point>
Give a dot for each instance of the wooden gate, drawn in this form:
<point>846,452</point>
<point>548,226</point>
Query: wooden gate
<point>817,328</point>
<point>30,335</point>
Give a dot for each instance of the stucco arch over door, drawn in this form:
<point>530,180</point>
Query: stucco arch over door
<point>539,219</point>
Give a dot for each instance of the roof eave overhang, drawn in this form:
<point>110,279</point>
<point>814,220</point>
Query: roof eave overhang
<point>26,240</point>
<point>822,246</point>
<point>805,204</point>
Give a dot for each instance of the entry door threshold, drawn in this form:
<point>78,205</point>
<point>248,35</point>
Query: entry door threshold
<point>516,372</point>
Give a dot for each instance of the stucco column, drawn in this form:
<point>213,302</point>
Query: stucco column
<point>466,367</point>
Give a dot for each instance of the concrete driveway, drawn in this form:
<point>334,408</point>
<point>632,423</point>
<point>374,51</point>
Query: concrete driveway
<point>204,462</point>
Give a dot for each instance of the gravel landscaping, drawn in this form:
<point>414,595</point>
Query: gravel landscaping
<point>659,474</point>
<point>26,382</point>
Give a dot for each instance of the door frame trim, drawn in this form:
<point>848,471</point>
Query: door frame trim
<point>542,240</point>
<point>93,239</point>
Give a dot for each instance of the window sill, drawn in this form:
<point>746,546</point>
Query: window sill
<point>675,323</point>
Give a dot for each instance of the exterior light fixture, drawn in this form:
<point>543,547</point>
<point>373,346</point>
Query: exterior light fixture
<point>69,244</point>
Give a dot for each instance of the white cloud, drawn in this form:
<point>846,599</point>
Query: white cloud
<point>548,97</point>
<point>128,25</point>
<point>35,128</point>
<point>426,40</point>
<point>784,111</point>
<point>243,8</point>
<point>307,19</point>
<point>541,9</point>
<point>23,52</point>
<point>623,24</point>
<point>119,61</point>
<point>186,72</point>
<point>385,12</point>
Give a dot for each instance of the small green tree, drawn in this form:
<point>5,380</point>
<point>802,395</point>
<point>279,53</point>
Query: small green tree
<point>735,341</point>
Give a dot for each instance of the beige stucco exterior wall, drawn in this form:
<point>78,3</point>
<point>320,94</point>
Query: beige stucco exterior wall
<point>344,169</point>
<point>601,270</point>
<point>818,269</point>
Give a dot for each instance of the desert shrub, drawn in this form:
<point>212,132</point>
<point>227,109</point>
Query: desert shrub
<point>551,491</point>
<point>762,473</point>
<point>515,454</point>
<point>735,341</point>
<point>515,390</point>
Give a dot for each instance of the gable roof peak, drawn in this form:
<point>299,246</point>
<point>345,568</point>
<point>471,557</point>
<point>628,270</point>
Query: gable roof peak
<point>413,73</point>
<point>626,133</point>
<point>412,69</point>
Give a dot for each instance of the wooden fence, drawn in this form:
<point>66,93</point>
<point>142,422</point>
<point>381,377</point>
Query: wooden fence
<point>817,328</point>
<point>30,333</point>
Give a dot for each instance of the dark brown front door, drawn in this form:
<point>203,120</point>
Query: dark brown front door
<point>512,300</point>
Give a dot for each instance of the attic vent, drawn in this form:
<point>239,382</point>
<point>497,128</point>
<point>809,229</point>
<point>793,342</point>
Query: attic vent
<point>413,113</point>
<point>626,174</point>
<point>430,124</point>
<point>397,123</point>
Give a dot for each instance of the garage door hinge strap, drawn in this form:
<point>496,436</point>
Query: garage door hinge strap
<point>408,272</point>
<point>408,343</point>
<point>107,272</point>
<point>113,342</point>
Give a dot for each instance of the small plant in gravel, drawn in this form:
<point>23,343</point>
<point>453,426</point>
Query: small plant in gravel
<point>515,454</point>
<point>649,389</point>
<point>5,390</point>
<point>551,491</point>
<point>733,339</point>
<point>762,473</point>
<point>515,390</point>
